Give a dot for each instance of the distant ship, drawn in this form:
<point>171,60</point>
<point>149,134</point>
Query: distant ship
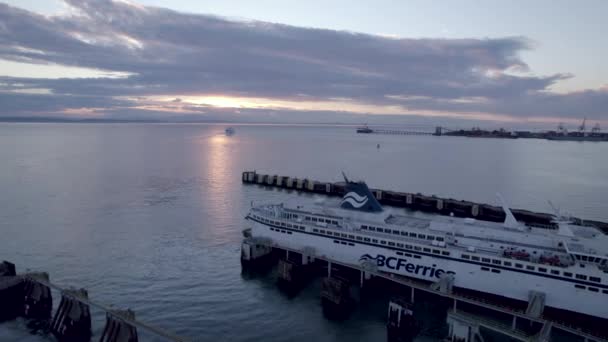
<point>567,266</point>
<point>230,131</point>
<point>581,135</point>
<point>364,129</point>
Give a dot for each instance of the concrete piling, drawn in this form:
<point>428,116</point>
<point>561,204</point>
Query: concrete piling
<point>117,330</point>
<point>287,275</point>
<point>475,210</point>
<point>401,325</point>
<point>293,276</point>
<point>256,254</point>
<point>310,185</point>
<point>72,321</point>
<point>38,300</point>
<point>335,297</point>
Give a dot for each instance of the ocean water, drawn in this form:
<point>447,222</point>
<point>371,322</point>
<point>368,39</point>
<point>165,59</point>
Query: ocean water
<point>149,216</point>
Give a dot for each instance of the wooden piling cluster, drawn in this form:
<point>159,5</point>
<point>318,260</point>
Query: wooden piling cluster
<point>11,292</point>
<point>29,296</point>
<point>72,322</point>
<point>429,204</point>
<point>117,329</point>
<point>37,300</point>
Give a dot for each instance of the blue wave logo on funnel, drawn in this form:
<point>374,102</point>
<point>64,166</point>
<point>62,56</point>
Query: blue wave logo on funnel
<point>354,200</point>
<point>359,197</point>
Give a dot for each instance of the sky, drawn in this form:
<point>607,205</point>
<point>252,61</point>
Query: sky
<point>494,62</point>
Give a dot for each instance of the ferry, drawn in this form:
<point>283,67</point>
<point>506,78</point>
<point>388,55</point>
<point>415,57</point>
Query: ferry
<point>568,266</point>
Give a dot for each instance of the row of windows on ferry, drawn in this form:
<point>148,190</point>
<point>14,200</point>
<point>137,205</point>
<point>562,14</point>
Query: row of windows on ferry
<point>311,218</point>
<point>402,233</point>
<point>589,288</point>
<point>321,220</point>
<point>590,259</point>
<point>530,268</point>
<point>381,242</point>
<point>279,223</point>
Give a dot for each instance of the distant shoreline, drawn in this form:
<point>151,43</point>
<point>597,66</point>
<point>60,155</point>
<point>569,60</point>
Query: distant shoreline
<point>110,121</point>
<point>55,120</point>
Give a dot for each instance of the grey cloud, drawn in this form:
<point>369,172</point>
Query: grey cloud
<point>17,104</point>
<point>172,53</point>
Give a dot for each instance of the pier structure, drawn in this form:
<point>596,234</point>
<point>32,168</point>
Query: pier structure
<point>29,296</point>
<point>416,201</point>
<point>470,313</point>
<point>397,132</point>
<point>443,131</point>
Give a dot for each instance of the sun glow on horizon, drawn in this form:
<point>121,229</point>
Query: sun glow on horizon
<point>204,104</point>
<point>305,104</point>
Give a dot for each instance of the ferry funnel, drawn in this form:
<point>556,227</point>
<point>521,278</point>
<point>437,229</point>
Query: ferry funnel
<point>359,197</point>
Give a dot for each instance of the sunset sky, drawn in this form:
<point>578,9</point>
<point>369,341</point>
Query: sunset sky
<point>499,62</point>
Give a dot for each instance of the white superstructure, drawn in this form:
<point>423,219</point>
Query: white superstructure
<point>569,265</point>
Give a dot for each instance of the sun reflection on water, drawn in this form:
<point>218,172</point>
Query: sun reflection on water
<point>217,159</point>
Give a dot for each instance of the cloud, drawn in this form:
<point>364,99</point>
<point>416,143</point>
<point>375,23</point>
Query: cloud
<point>175,55</point>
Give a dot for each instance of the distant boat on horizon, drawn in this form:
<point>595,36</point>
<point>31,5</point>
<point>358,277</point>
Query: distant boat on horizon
<point>230,131</point>
<point>364,129</point>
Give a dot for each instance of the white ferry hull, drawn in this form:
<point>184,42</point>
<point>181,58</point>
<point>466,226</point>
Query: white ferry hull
<point>508,283</point>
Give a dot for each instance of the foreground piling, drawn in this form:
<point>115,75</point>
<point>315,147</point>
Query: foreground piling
<point>72,322</point>
<point>38,300</point>
<point>117,330</point>
<point>29,296</point>
<point>11,292</point>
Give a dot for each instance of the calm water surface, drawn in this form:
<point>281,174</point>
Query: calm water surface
<point>150,216</point>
